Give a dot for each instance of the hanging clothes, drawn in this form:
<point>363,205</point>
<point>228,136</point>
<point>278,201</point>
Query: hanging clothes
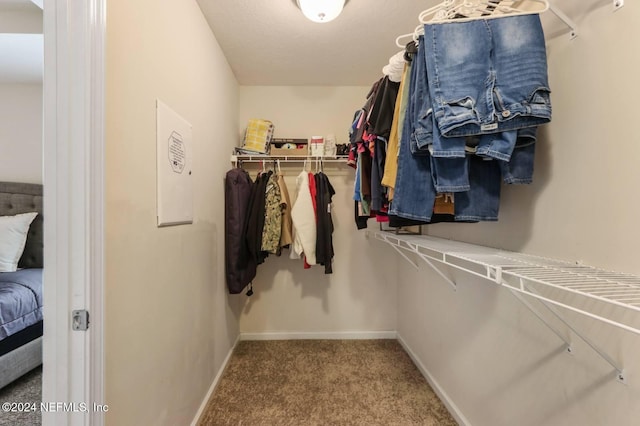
<point>272,216</point>
<point>324,241</point>
<point>255,222</point>
<point>286,234</point>
<point>304,221</point>
<point>240,267</point>
<point>463,123</point>
<point>391,163</point>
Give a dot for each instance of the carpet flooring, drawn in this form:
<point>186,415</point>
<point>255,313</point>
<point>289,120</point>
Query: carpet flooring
<point>323,382</point>
<point>27,389</point>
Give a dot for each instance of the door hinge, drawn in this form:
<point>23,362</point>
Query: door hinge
<point>80,320</point>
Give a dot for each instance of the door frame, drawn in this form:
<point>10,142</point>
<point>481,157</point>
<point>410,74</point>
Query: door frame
<point>73,175</point>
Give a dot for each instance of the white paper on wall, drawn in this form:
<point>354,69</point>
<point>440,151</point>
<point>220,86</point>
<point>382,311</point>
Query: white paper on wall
<point>174,163</point>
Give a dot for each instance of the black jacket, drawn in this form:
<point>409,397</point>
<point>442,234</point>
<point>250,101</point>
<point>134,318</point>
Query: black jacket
<point>240,269</point>
<point>324,237</point>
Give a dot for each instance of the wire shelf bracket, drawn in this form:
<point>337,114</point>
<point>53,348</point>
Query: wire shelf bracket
<point>568,348</point>
<point>526,275</point>
<point>573,28</point>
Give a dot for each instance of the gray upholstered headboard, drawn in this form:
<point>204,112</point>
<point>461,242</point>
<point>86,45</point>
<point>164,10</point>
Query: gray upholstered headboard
<point>18,198</point>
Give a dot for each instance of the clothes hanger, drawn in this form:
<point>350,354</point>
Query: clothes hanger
<point>400,37</point>
<point>441,8</point>
<point>419,30</point>
<point>417,33</point>
<point>445,5</point>
<point>481,9</point>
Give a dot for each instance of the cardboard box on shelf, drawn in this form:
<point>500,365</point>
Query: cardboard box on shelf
<point>289,147</point>
<point>295,141</point>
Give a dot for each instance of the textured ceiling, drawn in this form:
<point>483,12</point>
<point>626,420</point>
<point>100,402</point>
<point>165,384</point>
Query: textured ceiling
<point>270,42</point>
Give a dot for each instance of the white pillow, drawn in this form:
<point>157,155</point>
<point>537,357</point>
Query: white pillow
<point>13,236</point>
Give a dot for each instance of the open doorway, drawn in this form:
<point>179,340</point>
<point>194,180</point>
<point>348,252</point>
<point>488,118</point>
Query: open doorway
<point>21,179</point>
<point>72,183</point>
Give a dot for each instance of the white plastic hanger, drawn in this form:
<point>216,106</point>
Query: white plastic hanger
<point>400,37</point>
<point>444,6</point>
<point>449,10</point>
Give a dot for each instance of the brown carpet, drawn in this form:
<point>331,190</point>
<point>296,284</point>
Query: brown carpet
<point>323,382</point>
<point>26,390</point>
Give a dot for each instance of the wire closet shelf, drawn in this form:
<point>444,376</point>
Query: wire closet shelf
<point>291,158</point>
<point>599,292</point>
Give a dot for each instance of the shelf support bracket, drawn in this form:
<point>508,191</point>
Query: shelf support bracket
<point>438,271</point>
<point>620,374</point>
<point>573,28</point>
<point>423,257</point>
<point>529,306</point>
<point>414,264</point>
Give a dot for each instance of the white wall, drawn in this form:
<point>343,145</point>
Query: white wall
<point>169,322</point>
<point>360,295</point>
<point>490,355</point>
<point>25,18</point>
<point>21,132</point>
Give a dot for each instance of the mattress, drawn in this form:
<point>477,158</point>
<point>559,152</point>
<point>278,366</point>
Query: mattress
<point>20,300</point>
<point>20,338</point>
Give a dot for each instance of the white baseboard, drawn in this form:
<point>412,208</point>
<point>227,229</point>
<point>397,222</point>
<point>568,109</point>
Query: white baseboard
<point>329,335</point>
<point>448,402</point>
<point>203,405</point>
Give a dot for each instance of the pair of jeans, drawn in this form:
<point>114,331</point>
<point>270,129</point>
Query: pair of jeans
<point>482,201</point>
<point>486,76</point>
<point>519,168</point>
<point>450,174</point>
<point>420,104</point>
<point>414,193</point>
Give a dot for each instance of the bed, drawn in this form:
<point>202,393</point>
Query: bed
<point>21,291</point>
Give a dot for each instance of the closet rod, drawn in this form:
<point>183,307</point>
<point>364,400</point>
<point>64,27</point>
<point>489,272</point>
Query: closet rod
<point>287,159</point>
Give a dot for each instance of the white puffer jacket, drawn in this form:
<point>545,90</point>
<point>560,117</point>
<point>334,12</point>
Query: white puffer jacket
<point>304,221</point>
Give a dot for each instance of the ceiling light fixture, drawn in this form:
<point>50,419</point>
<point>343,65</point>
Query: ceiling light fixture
<point>321,10</point>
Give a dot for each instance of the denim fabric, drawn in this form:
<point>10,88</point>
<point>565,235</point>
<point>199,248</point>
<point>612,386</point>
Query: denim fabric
<point>414,192</point>
<point>356,184</point>
<point>497,145</point>
<point>482,201</point>
<point>487,76</point>
<point>378,192</point>
<point>421,110</point>
<point>450,171</point>
<point>450,174</point>
<point>405,100</point>
<point>519,169</point>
